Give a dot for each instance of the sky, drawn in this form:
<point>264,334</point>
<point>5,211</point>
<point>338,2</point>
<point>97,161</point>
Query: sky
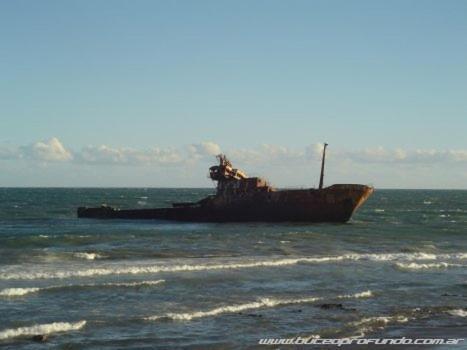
<point>145,93</point>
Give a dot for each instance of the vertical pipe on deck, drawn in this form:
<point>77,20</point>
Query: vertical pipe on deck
<point>322,167</point>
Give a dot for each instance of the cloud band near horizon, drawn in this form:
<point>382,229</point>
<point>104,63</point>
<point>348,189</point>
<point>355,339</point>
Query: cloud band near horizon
<point>53,150</point>
<point>51,163</point>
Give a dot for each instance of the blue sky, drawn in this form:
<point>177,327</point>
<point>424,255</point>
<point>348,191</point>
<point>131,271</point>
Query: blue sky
<point>272,78</point>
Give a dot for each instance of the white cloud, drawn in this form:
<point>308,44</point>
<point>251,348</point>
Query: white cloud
<point>458,155</point>
<point>401,156</point>
<point>107,155</point>
<point>50,150</point>
<point>315,151</point>
<point>203,149</point>
<point>53,150</point>
<point>266,153</point>
<point>374,155</point>
<point>186,165</point>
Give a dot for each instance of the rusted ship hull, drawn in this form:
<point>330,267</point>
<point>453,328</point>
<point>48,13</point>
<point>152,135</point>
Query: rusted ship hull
<point>336,203</point>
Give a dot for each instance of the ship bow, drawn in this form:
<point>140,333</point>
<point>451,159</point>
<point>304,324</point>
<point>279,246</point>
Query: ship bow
<point>350,196</point>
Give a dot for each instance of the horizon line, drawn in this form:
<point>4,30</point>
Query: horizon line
<point>205,188</point>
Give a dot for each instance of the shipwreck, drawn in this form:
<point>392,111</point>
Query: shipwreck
<point>240,198</point>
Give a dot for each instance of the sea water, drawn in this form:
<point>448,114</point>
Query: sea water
<point>398,268</point>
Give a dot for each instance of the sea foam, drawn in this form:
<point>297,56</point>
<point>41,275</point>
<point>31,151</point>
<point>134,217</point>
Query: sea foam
<point>127,284</point>
<point>457,312</point>
<point>418,266</point>
<point>48,328</point>
<point>260,303</point>
<point>121,269</point>
<point>87,256</point>
<point>132,270</point>
<point>9,292</point>
<point>370,324</point>
<point>13,292</point>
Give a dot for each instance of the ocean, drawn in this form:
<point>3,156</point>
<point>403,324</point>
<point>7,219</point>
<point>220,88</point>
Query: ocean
<point>397,269</point>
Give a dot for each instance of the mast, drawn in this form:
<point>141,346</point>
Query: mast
<point>322,167</point>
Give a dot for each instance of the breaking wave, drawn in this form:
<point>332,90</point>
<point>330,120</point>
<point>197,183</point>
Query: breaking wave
<point>9,292</point>
<point>260,303</point>
<point>41,329</point>
<point>13,292</point>
<point>146,269</point>
<point>417,266</point>
<point>457,312</point>
<point>371,324</point>
<point>87,256</point>
<point>127,284</point>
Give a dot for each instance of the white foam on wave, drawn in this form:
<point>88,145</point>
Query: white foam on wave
<point>260,303</point>
<point>132,270</point>
<point>48,328</point>
<point>14,292</point>
<point>365,294</point>
<point>87,256</point>
<point>10,292</point>
<point>394,256</point>
<point>418,266</point>
<point>370,324</point>
<point>148,269</point>
<point>381,320</point>
<point>263,302</point>
<point>458,312</point>
<point>459,256</point>
<point>127,284</point>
